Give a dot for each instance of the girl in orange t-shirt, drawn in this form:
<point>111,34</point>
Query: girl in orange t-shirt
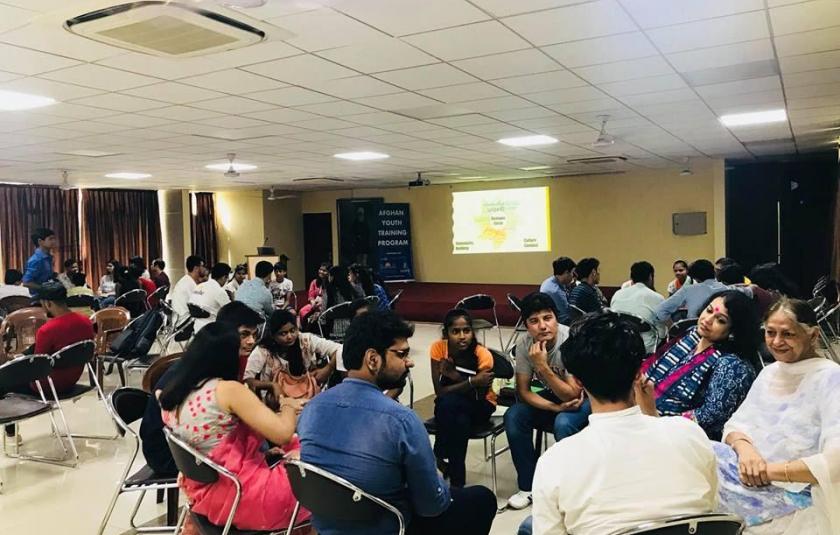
<point>462,372</point>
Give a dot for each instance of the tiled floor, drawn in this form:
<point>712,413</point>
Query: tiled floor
<point>42,499</point>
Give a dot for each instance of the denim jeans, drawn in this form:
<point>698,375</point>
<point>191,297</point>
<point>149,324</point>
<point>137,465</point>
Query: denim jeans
<point>520,422</point>
<point>526,527</point>
<point>455,414</point>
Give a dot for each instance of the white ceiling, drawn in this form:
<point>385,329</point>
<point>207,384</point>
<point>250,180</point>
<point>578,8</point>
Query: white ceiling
<point>356,74</point>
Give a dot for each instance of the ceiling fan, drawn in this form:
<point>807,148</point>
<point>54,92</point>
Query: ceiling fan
<point>604,139</point>
<point>272,196</point>
<point>686,170</point>
<point>231,172</point>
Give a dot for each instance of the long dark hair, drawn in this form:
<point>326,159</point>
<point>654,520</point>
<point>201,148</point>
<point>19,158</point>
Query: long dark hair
<point>365,280</point>
<point>448,321</point>
<point>213,354</point>
<point>319,282</point>
<point>744,335</point>
<point>339,286</point>
<point>292,354</point>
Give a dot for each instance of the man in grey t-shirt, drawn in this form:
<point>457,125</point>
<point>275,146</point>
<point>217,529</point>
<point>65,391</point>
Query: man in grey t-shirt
<point>546,395</point>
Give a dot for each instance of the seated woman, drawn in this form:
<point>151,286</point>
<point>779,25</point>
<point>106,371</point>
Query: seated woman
<point>359,276</point>
<point>284,348</point>
<point>462,371</point>
<point>705,374</point>
<point>339,290</point>
<point>779,464</point>
<point>317,295</point>
<point>206,406</point>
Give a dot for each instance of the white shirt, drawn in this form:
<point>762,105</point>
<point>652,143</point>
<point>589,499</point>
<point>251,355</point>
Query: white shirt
<point>232,286</point>
<point>279,292</point>
<point>210,297</point>
<point>179,296</point>
<point>262,365</point>
<point>624,469</point>
<point>641,301</point>
<point>8,290</point>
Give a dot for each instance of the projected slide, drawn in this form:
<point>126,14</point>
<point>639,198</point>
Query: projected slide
<point>500,221</point>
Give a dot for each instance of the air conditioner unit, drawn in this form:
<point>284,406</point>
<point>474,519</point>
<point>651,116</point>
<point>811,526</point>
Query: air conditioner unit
<point>599,160</point>
<point>164,28</point>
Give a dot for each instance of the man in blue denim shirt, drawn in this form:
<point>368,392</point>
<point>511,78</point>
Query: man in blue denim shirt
<point>557,286</point>
<point>356,432</point>
<point>39,267</point>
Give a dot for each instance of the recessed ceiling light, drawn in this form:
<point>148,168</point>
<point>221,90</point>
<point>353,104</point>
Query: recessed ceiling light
<point>89,153</point>
<point>227,166</point>
<point>535,168</point>
<point>128,176</point>
<point>527,141</point>
<point>363,155</point>
<point>12,100</point>
<point>756,117</point>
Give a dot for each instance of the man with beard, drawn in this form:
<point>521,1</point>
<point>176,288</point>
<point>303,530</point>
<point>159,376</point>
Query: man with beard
<point>355,432</point>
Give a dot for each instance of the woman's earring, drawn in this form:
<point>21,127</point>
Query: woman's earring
<point>731,337</point>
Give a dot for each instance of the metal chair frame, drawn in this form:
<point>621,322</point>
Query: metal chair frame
<point>519,327</point>
<point>694,524</point>
<point>464,303</point>
<point>137,295</point>
<point>392,304</point>
<point>328,314</point>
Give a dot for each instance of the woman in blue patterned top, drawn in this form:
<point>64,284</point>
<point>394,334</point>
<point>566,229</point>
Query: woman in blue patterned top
<point>706,374</point>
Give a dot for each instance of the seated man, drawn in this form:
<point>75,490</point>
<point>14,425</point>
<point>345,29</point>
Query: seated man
<point>586,295</point>
<point>640,299</point>
<point>692,297</point>
<point>210,296</point>
<point>558,286</point>
<point>80,298</point>
<point>255,293</point>
<point>13,284</point>
<point>546,395</point>
<point>355,432</point>
<point>626,468</point>
<point>155,449</point>
<point>179,296</point>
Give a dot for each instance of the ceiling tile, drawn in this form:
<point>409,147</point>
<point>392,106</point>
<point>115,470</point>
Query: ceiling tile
<point>769,83</point>
<point>807,42</point>
<point>377,56</point>
<point>582,21</point>
<point>653,13</point>
<point>403,17</point>
<point>182,113</point>
<point>504,8</point>
<point>43,35</point>
<point>534,83</point>
<point>625,70</point>
<point>721,56</point>
<point>173,92</point>
<point>301,69</point>
<point>23,61</point>
<point>708,33</point>
<point>602,50</point>
<point>810,91</point>
<point>812,77</point>
<point>521,62</point>
<point>732,73</point>
<point>480,39</point>
<point>426,77</point>
<point>805,16</point>
<point>100,77</point>
<point>572,94</point>
<point>810,62</point>
<point>676,95</point>
<point>232,105</point>
<point>496,104</point>
<point>324,28</point>
<point>644,85</point>
<point>231,122</point>
<point>116,101</point>
<point>75,111</point>
<point>165,68</point>
<point>290,96</point>
<point>353,87</point>
<point>340,108</point>
<point>746,102</point>
<point>396,101</point>
<point>48,88</point>
<point>232,81</point>
<point>464,92</point>
<point>384,119</point>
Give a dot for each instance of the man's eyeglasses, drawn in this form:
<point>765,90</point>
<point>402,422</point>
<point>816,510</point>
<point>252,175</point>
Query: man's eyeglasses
<point>400,353</point>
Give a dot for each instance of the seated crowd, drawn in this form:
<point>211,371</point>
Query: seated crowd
<point>659,406</point>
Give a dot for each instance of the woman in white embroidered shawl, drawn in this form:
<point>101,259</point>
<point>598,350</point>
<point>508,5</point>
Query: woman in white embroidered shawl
<point>780,460</point>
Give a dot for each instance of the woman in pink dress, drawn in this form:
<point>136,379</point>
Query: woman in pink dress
<point>207,407</point>
<point>316,294</point>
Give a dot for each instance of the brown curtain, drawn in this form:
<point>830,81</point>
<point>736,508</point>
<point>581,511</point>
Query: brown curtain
<point>25,208</point>
<point>118,224</point>
<point>203,228</point>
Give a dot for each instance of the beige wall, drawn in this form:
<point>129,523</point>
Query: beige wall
<point>239,224</point>
<point>283,228</point>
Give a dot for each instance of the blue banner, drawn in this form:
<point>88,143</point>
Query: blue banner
<point>393,242</point>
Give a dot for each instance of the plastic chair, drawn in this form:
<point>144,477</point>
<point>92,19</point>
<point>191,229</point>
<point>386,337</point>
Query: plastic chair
<point>701,524</point>
<point>340,311</point>
<point>134,301</point>
<point>156,370</point>
<point>22,324</point>
<point>107,324</point>
<point>331,497</point>
<point>392,304</point>
<point>126,406</point>
<point>480,302</point>
<point>14,302</point>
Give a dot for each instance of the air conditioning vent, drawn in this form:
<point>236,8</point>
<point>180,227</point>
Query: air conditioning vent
<point>599,160</point>
<point>163,28</point>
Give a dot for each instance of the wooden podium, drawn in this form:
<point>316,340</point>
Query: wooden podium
<point>252,259</point>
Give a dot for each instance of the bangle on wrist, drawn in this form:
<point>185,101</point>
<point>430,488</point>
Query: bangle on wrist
<point>745,439</point>
<point>787,474</point>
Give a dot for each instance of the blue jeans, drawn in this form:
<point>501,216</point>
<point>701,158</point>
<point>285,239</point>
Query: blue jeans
<point>526,527</point>
<point>520,422</point>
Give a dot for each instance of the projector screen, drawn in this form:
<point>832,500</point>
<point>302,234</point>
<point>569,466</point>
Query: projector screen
<point>500,221</point>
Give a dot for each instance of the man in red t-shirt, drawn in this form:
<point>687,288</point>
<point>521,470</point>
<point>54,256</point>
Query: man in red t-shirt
<point>65,327</point>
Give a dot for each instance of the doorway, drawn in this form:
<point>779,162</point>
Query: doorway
<point>317,242</point>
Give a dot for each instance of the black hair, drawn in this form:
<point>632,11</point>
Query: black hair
<point>731,274</point>
<point>159,263</point>
<point>701,270</point>
<point>138,261</point>
<point>213,353</point>
<point>375,330</point>
<point>604,351</point>
<point>586,266</point>
<point>293,353</point>
<point>193,262</point>
<point>365,280</point>
<point>536,302</point>
<point>238,314</point>
<point>69,262</point>
<point>319,282</point>
<point>241,268</point>
<point>339,286</point>
<point>280,266</point>
<point>683,262</point>
<point>357,304</point>
<point>41,233</point>
<point>641,271</point>
<point>52,290</point>
<point>744,335</point>
<point>724,261</point>
<point>562,265</point>
<point>771,277</point>
<point>263,269</point>
<point>220,270</point>
<point>12,276</point>
<point>114,262</point>
<point>134,271</point>
<point>450,318</point>
<point>78,278</point>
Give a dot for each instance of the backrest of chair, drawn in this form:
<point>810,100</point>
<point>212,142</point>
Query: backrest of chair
<point>133,300</point>
<point>157,369</point>
<point>14,302</point>
<point>329,496</point>
<point>80,301</point>
<point>702,524</point>
<point>817,303</point>
<point>477,302</point>
<point>372,300</point>
<point>74,355</point>
<point>190,462</point>
<point>25,322</point>
<point>514,302</point>
<point>197,312</point>
<point>160,293</point>
<point>339,311</point>
<point>106,323</point>
<point>575,313</point>
<point>680,327</point>
<point>502,367</point>
<point>23,370</point>
<point>129,404</point>
<point>640,323</point>
<point>396,299</point>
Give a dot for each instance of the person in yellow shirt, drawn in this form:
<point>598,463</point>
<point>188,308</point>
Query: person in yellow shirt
<point>462,373</point>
